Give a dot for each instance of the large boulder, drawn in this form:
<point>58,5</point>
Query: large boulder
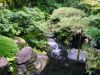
<point>25,55</point>
<point>73,53</point>
<point>24,58</point>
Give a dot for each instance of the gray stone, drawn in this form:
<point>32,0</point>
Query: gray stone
<point>41,62</point>
<point>22,69</point>
<point>31,62</point>
<point>3,62</point>
<point>25,55</point>
<point>38,66</point>
<point>73,53</point>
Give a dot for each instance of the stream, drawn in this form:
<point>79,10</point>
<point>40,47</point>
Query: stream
<point>67,59</point>
<point>58,52</point>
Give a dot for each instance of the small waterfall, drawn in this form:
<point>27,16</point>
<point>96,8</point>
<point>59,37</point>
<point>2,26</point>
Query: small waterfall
<point>57,52</point>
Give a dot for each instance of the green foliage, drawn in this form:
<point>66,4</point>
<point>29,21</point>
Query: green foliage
<point>90,6</point>
<point>93,60</point>
<point>36,39</point>
<point>95,20</point>
<point>85,7</point>
<point>65,18</point>
<point>66,12</point>
<point>13,66</point>
<point>94,34</point>
<point>71,3</point>
<point>48,4</point>
<point>43,4</point>
<point>16,3</point>
<point>94,3</point>
<point>20,21</point>
<point>7,47</point>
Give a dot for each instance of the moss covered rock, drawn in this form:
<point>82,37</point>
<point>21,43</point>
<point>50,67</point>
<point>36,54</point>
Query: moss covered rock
<point>20,42</point>
<point>7,47</point>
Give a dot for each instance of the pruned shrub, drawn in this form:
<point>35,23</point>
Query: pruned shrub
<point>37,40</point>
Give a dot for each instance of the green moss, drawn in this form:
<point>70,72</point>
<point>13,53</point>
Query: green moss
<point>7,47</point>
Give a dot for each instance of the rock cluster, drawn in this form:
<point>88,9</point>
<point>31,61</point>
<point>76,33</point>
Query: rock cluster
<point>31,62</point>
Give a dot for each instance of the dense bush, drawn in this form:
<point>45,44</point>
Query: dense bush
<point>48,4</point>
<point>35,39</point>
<point>93,60</point>
<point>95,20</point>
<point>90,7</point>
<point>94,34</point>
<point>20,22</point>
<point>69,3</point>
<point>93,3</point>
<point>42,4</point>
<point>93,31</point>
<point>66,12</point>
<point>7,47</point>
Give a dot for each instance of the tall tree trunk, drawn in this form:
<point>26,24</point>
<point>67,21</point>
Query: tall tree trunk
<point>79,47</point>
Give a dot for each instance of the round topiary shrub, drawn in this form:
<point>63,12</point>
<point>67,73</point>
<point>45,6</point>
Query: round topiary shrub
<point>8,48</point>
